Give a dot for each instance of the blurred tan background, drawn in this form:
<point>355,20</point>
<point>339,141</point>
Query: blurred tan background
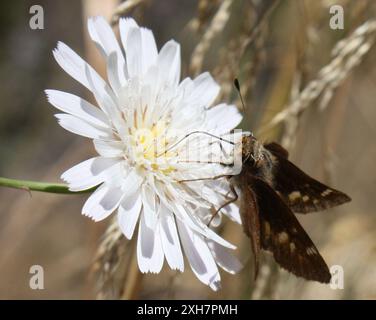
<point>276,49</point>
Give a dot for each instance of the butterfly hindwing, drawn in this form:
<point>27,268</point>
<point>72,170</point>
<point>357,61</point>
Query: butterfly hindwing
<point>282,234</point>
<point>302,193</point>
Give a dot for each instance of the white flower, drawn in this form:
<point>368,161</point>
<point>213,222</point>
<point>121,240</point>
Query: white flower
<point>143,114</point>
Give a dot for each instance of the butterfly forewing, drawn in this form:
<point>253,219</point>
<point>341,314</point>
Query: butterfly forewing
<point>250,217</point>
<point>301,193</point>
<point>282,234</point>
<point>277,149</point>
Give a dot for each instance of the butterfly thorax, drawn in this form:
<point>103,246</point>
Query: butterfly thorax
<point>257,160</point>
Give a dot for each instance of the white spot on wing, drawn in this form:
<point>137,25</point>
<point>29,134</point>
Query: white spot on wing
<point>326,192</point>
<point>311,251</point>
<point>283,237</point>
<point>294,195</point>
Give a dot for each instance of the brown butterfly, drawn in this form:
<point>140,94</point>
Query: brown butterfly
<point>272,188</point>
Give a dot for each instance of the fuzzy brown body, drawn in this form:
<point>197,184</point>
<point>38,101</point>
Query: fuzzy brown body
<point>272,190</point>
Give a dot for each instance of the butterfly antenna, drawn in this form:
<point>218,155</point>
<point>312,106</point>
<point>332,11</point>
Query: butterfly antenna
<point>237,86</point>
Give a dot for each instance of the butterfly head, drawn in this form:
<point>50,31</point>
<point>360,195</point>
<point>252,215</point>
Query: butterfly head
<point>252,150</point>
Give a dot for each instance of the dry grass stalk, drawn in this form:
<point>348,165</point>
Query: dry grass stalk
<point>115,266</point>
<point>124,8</point>
<point>260,24</point>
<point>288,139</point>
<point>231,63</point>
<point>216,26</point>
<point>347,54</point>
<point>205,10</point>
<point>132,282</point>
<point>109,257</point>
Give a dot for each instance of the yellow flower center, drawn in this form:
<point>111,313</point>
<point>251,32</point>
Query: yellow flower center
<point>150,148</point>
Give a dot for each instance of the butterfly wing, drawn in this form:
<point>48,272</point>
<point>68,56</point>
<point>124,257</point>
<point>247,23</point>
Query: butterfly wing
<point>302,193</point>
<point>282,235</point>
<point>277,149</point>
<point>250,218</point>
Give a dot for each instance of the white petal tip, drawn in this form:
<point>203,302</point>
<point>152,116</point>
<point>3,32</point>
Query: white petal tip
<point>58,47</point>
<point>215,285</point>
<point>90,216</point>
<point>48,92</point>
<point>128,20</point>
<point>127,236</point>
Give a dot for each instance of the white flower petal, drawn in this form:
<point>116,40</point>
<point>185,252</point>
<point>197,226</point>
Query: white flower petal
<point>223,118</point>
<point>112,73</point>
<point>197,225</point>
<point>140,47</point>
<point>224,258</point>
<point>78,107</point>
<point>125,25</point>
<point>149,49</point>
<point>199,257</point>
<point>106,100</point>
<point>102,202</point>
<point>101,33</point>
<point>216,192</point>
<point>132,182</point>
<point>169,63</point>
<point>150,254</point>
<point>128,214</point>
<point>170,240</point>
<point>186,86</point>
<point>82,128</point>
<point>74,65</point>
<point>133,51</point>
<point>90,173</point>
<point>232,211</point>
<point>109,148</point>
<point>77,68</point>
<point>151,79</point>
<point>149,205</point>
<point>202,91</point>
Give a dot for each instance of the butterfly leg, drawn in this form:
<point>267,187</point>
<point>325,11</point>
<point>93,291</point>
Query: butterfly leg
<point>208,178</point>
<point>229,201</point>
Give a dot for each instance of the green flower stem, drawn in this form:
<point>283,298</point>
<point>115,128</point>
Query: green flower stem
<point>39,186</point>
